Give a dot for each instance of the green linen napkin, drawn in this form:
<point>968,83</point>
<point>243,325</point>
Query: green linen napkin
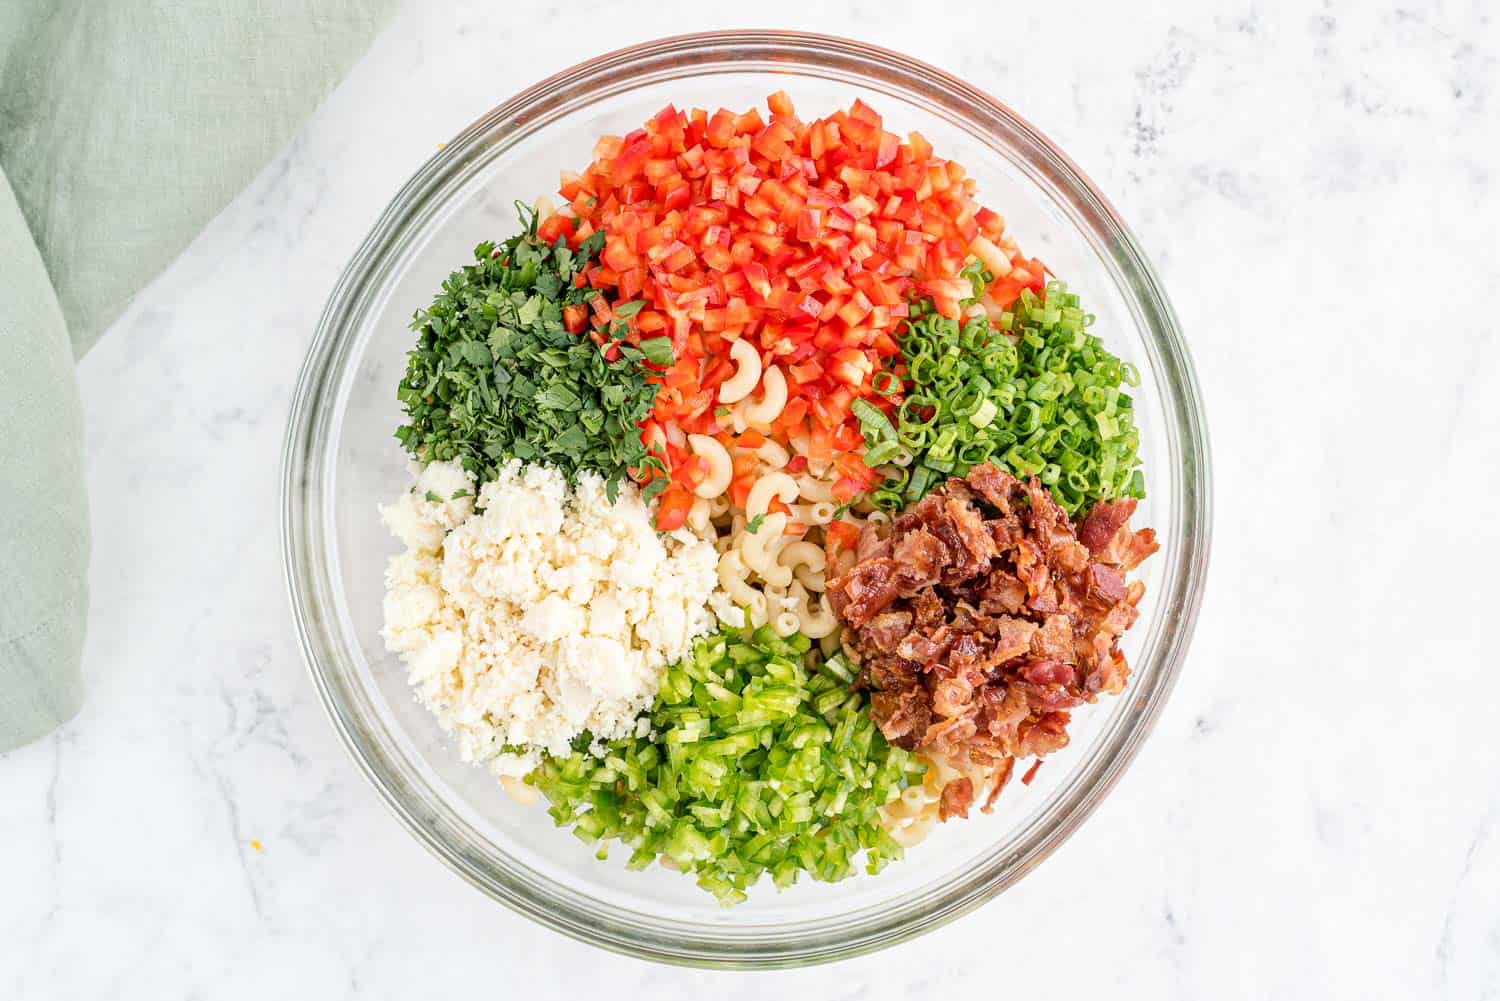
<point>124,127</point>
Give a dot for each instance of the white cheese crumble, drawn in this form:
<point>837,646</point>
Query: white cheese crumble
<point>538,612</point>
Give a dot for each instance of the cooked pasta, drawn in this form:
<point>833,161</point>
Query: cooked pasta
<point>777,571</point>
<point>773,454</point>
<point>814,623</point>
<point>814,489</point>
<point>774,484</point>
<point>759,550</point>
<point>772,400</point>
<point>912,816</point>
<point>785,624</point>
<point>720,468</point>
<point>700,516</point>
<point>807,561</point>
<point>747,374</point>
<point>821,512</point>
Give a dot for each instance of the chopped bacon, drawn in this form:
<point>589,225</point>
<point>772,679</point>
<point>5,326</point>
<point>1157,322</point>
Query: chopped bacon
<point>921,555</point>
<point>920,649</point>
<point>869,590</point>
<point>1141,545</point>
<point>969,527</point>
<point>982,619</point>
<point>1040,671</point>
<point>928,610</point>
<point>1106,583</point>
<point>1054,639</point>
<point>994,485</point>
<point>1013,637</point>
<point>888,629</point>
<point>870,544</point>
<point>956,798</point>
<point>1002,593</point>
<point>1103,521</point>
<point>997,781</point>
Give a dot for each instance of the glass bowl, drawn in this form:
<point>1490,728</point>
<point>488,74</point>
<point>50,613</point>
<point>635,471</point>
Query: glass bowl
<point>340,461</point>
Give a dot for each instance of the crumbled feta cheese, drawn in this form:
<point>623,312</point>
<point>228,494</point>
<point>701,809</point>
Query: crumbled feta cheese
<point>537,613</point>
<point>419,520</point>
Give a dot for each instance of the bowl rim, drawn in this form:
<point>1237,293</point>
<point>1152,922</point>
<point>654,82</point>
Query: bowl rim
<point>301,530</point>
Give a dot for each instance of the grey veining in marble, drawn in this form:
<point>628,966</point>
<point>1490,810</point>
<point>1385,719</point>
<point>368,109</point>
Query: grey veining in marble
<point>1318,814</point>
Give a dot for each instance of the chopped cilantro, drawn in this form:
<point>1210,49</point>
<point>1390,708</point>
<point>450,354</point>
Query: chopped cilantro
<point>658,351</point>
<point>495,375</point>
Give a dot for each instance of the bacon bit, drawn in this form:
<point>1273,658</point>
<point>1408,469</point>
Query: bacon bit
<point>980,628</point>
<point>956,798</point>
<point>999,779</point>
<point>1031,772</point>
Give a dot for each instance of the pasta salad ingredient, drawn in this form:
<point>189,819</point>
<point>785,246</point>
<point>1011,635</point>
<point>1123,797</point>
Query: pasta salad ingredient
<point>537,613</point>
<point>1032,391</point>
<point>497,375</point>
<point>762,375</point>
<point>773,550</point>
<point>779,255</point>
<point>944,793</point>
<point>753,765</point>
<point>983,618</point>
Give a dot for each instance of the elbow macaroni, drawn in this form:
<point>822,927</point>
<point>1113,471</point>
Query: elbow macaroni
<point>814,624</point>
<point>720,467</point>
<point>814,489</point>
<point>806,561</point>
<point>773,454</point>
<point>778,485</point>
<point>910,817</point>
<point>759,550</point>
<point>772,399</point>
<point>733,581</point>
<point>746,376</point>
<point>700,516</point>
<point>777,576</point>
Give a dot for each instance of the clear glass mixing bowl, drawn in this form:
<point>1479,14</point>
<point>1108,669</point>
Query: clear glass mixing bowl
<point>340,461</point>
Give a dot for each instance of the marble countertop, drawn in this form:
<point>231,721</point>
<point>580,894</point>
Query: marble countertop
<point>1318,813</point>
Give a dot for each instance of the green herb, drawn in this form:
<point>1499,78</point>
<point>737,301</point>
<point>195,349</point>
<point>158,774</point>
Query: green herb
<point>434,498</point>
<point>1035,393</point>
<point>658,351</point>
<point>755,523</point>
<point>495,375</point>
<point>625,310</point>
<point>756,767</point>
<point>459,493</point>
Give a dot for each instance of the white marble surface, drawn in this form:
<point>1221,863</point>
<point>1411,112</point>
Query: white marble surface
<point>1318,814</point>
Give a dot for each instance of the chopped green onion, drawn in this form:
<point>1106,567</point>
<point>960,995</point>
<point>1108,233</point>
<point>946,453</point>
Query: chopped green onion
<point>985,415</point>
<point>875,424</point>
<point>882,453</point>
<point>1034,392</point>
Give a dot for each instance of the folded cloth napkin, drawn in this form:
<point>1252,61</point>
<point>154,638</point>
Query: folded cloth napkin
<point>124,127</point>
